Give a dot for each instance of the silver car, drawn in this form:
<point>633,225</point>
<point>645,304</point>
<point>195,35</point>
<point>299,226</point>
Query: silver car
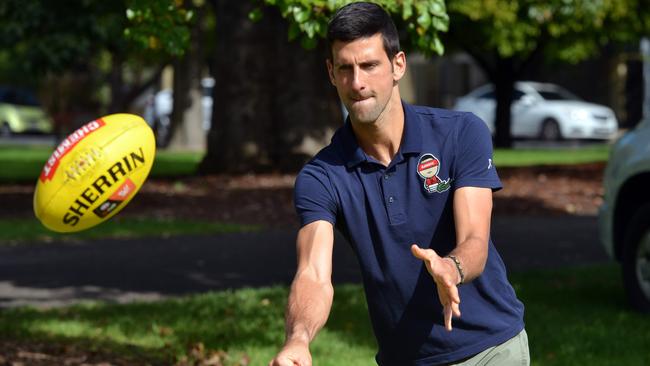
<point>624,216</point>
<point>544,111</point>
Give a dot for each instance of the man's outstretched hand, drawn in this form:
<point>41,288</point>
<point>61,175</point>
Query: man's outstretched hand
<point>446,277</point>
<point>294,353</point>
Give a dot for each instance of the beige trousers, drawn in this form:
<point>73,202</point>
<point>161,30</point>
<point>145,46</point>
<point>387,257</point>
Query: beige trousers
<point>513,352</point>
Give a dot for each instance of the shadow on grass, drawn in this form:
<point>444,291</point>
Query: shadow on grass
<point>579,317</point>
<point>161,331</point>
<point>573,317</point>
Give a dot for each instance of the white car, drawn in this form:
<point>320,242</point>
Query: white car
<point>624,216</point>
<point>159,109</point>
<point>545,111</point>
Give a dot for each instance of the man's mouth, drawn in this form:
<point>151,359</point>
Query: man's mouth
<point>359,98</point>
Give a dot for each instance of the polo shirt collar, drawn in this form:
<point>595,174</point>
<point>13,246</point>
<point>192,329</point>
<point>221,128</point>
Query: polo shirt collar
<point>411,138</point>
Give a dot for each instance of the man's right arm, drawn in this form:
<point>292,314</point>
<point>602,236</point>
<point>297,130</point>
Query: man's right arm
<point>311,294</point>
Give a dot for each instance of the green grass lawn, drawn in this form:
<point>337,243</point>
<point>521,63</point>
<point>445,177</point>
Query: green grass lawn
<point>544,156</point>
<point>24,163</point>
<point>573,317</point>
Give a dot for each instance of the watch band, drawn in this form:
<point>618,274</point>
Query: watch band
<point>459,267</point>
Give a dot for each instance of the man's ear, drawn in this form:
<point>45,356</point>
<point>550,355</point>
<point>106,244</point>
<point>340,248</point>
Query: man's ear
<point>399,65</point>
<point>330,71</point>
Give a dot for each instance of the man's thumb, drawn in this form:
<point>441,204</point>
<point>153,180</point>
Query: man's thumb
<point>418,252</point>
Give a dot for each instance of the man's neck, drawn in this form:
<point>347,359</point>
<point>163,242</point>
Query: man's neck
<point>382,139</point>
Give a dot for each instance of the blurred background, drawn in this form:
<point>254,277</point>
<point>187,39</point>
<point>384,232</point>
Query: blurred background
<point>195,271</point>
<point>64,63</point>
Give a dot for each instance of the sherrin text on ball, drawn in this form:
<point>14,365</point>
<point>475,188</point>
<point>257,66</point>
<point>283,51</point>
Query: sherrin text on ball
<point>94,172</point>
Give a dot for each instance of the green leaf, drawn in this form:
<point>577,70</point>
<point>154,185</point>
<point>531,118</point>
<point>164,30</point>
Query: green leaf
<point>437,8</point>
<point>440,24</point>
<point>437,46</point>
<point>310,28</point>
<point>424,19</point>
<point>300,14</point>
<point>407,9</point>
<point>255,15</point>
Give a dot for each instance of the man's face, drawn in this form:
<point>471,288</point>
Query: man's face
<point>364,77</point>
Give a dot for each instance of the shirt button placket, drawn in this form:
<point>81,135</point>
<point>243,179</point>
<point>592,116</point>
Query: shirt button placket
<point>391,195</point>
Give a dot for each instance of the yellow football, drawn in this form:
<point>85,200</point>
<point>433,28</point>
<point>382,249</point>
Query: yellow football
<point>94,172</point>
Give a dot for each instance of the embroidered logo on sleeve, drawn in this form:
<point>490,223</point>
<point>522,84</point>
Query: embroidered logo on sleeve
<point>428,167</point>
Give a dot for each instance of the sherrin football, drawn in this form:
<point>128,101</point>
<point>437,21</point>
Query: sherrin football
<point>94,173</point>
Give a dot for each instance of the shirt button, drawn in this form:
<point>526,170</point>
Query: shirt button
<point>386,176</point>
<point>391,199</point>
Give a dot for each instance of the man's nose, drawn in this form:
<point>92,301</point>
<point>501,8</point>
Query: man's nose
<point>358,83</point>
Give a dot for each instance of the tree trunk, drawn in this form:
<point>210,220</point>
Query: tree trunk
<point>117,84</point>
<point>504,84</point>
<point>273,103</point>
<point>187,116</point>
<point>123,94</point>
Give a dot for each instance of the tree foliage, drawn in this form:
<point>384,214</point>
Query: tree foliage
<point>423,20</point>
<point>159,26</point>
<point>504,36</point>
<point>76,53</point>
<point>570,30</point>
<point>38,37</point>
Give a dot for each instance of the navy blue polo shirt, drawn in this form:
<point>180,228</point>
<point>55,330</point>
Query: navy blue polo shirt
<point>383,210</point>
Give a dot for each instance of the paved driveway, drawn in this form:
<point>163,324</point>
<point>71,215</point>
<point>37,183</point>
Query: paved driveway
<point>124,270</point>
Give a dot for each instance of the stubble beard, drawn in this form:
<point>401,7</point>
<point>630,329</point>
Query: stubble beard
<point>367,114</point>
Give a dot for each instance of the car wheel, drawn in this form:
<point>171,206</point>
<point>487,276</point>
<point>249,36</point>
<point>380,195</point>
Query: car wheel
<point>162,127</point>
<point>550,130</point>
<point>636,260</point>
<point>5,130</point>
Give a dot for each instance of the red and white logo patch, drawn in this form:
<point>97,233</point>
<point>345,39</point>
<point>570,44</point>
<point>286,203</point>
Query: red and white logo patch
<point>117,198</point>
<point>66,146</point>
<point>428,168</point>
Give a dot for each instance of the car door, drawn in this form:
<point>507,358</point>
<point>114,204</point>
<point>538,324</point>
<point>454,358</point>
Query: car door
<point>523,118</point>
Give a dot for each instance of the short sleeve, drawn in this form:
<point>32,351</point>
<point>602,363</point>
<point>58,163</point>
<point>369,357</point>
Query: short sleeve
<point>313,196</point>
<point>474,156</point>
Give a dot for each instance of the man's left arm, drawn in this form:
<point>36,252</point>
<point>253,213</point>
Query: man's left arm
<point>472,213</point>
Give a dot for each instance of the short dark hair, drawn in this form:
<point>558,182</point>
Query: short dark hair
<point>362,20</point>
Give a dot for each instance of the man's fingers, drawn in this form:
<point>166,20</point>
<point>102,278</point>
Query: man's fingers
<point>285,362</point>
<point>455,307</point>
<point>450,311</point>
<point>453,294</point>
<point>450,301</point>
<point>447,289</point>
<point>420,253</point>
<point>417,252</point>
<point>454,300</point>
<point>447,312</point>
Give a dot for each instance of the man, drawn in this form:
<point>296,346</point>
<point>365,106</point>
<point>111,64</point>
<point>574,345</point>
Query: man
<point>411,189</point>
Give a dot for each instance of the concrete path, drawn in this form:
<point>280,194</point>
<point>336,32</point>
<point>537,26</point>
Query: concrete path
<point>147,269</point>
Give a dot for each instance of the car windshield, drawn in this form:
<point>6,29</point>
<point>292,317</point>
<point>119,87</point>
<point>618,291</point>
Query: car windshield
<point>516,94</point>
<point>557,94</point>
<point>17,97</point>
